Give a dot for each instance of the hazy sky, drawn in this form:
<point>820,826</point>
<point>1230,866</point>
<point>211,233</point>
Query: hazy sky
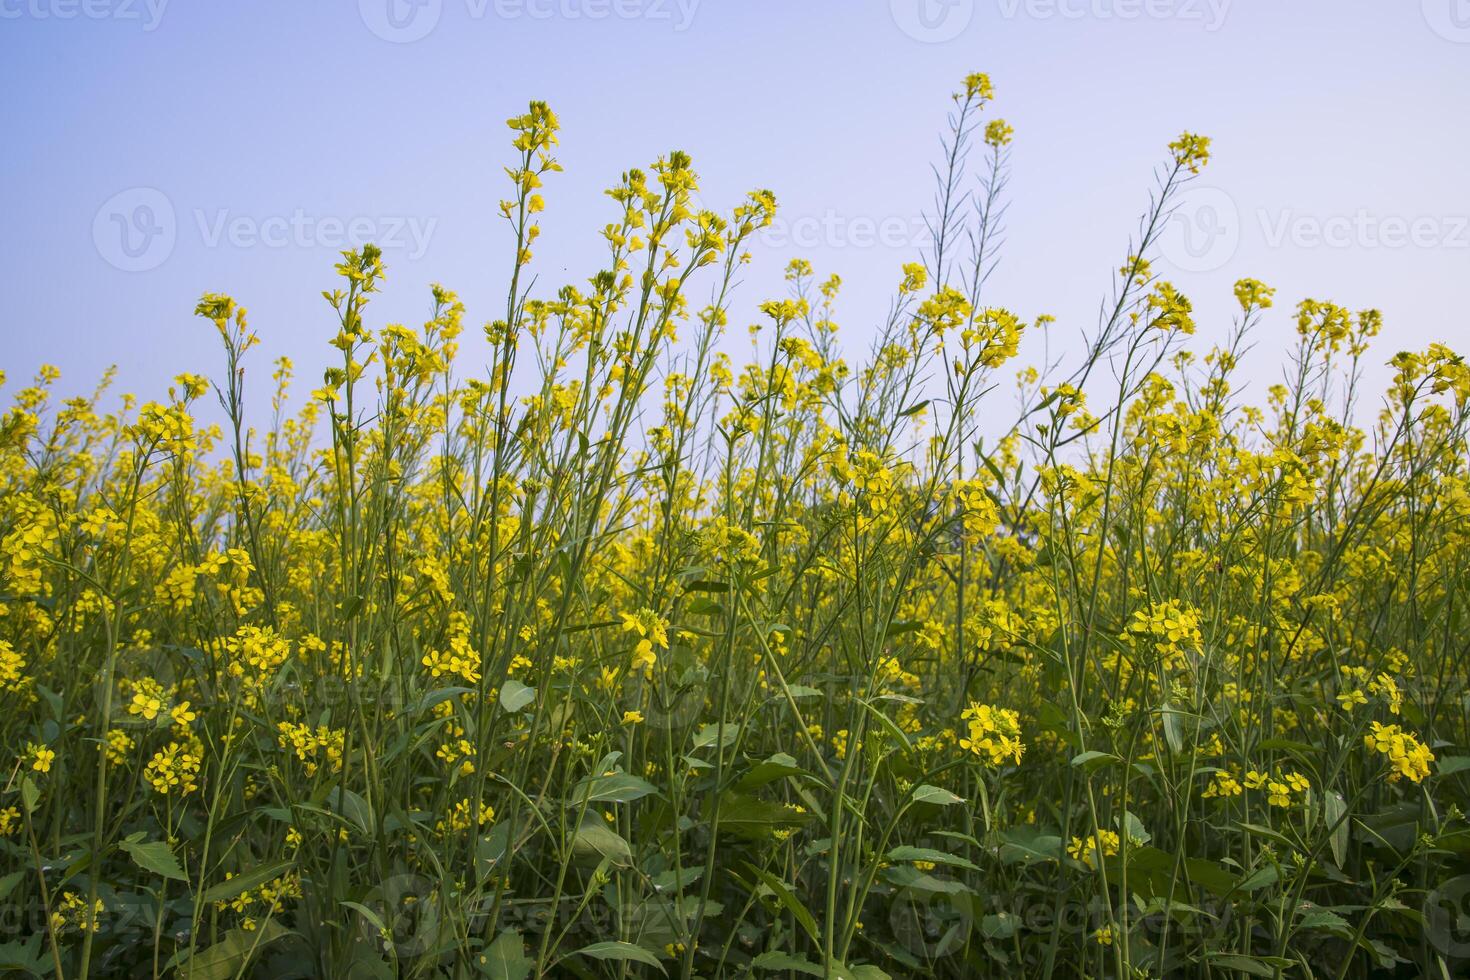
<point>155,149</point>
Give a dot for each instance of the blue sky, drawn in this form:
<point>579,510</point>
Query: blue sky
<point>156,149</point>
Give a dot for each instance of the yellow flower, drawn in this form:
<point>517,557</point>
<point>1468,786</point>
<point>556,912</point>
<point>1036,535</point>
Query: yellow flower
<point>40,757</point>
<point>1104,843</point>
<point>183,716</point>
<point>174,768</point>
<point>1406,755</point>
<point>147,705</point>
<point>993,734</point>
<point>632,717</point>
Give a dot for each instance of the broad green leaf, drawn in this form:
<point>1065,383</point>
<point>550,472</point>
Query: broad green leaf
<point>595,837</point>
<point>620,787</point>
<point>776,767</point>
<point>1326,920</point>
<point>1135,829</point>
<point>617,950</point>
<point>1260,878</point>
<point>935,795</point>
<point>155,856</point>
<point>1093,760</point>
<point>254,878</point>
<point>1256,966</point>
<point>1027,844</point>
<point>754,818</point>
<point>710,733</point>
<point>932,856</point>
<point>786,961</point>
<point>346,803</point>
<point>505,959</point>
<point>515,695</point>
<point>228,957</point>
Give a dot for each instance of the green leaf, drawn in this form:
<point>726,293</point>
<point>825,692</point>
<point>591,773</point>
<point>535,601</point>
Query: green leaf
<point>1260,878</point>
<point>595,837</point>
<point>906,853</point>
<point>345,803</point>
<point>8,883</point>
<point>27,957</point>
<point>438,696</point>
<point>863,971</point>
<point>1024,845</point>
<point>754,818</point>
<point>1256,966</point>
<point>1334,809</point>
<point>776,767</point>
<point>155,856</point>
<point>726,734</point>
<point>1174,728</point>
<point>505,959</point>
<point>226,959</point>
<point>620,787</point>
<point>673,881</point>
<point>1134,828</point>
<point>254,878</point>
<point>1094,760</point>
<point>1267,833</point>
<point>935,795</point>
<point>784,895</point>
<point>515,695</point>
<point>786,961</point>
<point>617,950</point>
<point>1328,921</point>
<point>1452,764</point>
<point>1001,925</point>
